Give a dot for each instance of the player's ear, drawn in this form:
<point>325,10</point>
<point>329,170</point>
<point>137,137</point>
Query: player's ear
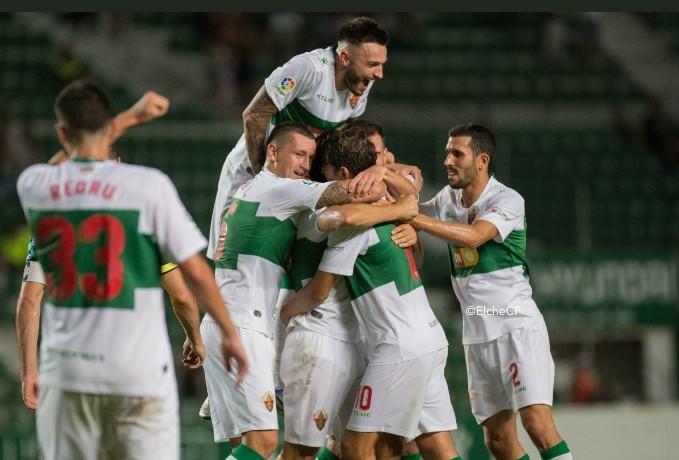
<point>271,151</point>
<point>344,58</point>
<point>62,133</point>
<point>482,161</point>
<point>345,173</point>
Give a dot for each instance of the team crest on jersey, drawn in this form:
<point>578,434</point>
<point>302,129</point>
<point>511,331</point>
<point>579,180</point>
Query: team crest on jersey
<point>353,101</point>
<point>268,400</point>
<point>283,87</point>
<point>472,214</point>
<point>320,417</point>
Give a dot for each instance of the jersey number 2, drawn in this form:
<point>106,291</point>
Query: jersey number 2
<point>62,256</point>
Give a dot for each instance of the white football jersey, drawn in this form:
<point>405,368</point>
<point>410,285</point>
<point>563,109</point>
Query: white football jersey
<point>303,90</point>
<point>491,281</point>
<point>261,225</point>
<point>386,294</point>
<point>101,229</point>
<point>334,317</point>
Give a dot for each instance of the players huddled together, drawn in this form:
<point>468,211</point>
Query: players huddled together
<point>315,300</point>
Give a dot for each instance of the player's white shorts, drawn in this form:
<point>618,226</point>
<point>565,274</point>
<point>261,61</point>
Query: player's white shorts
<point>251,406</point>
<point>406,399</point>
<point>318,373</point>
<point>92,426</point>
<point>279,334</point>
<point>510,372</point>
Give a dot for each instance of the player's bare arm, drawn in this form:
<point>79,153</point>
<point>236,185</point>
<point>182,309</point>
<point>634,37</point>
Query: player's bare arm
<point>314,293</point>
<point>255,124</point>
<point>338,193</point>
<point>408,170</point>
<point>367,215</point>
<point>28,327</point>
<point>468,236</point>
<point>200,279</point>
<point>150,107</point>
<point>186,311</point>
<point>364,181</point>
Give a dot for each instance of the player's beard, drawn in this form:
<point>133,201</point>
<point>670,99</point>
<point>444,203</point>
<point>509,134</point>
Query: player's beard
<point>353,80</point>
<point>464,177</point>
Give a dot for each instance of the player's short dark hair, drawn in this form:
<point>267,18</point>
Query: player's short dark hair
<point>352,149</point>
<point>84,107</point>
<point>362,29</point>
<point>369,127</point>
<point>282,133</point>
<point>482,140</point>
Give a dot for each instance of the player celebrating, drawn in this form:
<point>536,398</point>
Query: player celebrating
<point>406,346</point>
<point>100,227</point>
<point>509,364</point>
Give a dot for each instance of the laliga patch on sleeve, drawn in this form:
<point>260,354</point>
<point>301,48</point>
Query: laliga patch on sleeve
<point>308,183</point>
<point>283,87</point>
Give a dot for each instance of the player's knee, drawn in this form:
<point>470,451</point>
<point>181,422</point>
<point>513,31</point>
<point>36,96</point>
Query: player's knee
<point>352,447</point>
<point>498,442</point>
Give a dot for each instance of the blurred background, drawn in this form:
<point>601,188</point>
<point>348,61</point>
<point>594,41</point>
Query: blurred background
<point>585,109</point>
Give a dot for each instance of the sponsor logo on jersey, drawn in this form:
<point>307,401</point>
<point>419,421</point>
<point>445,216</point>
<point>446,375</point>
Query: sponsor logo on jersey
<point>283,87</point>
<point>320,417</point>
<point>268,400</point>
<point>450,215</point>
<point>327,99</point>
<point>465,257</point>
<point>500,213</point>
<point>472,214</point>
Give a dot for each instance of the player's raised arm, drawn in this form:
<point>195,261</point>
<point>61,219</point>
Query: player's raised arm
<point>255,124</point>
<point>150,107</point>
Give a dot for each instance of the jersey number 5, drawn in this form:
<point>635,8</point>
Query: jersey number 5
<point>64,258</point>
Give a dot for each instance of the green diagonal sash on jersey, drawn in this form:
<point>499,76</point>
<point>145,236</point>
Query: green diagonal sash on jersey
<point>382,264</point>
<point>306,256</point>
<point>247,233</point>
<point>139,256</point>
<point>295,112</point>
<point>493,256</point>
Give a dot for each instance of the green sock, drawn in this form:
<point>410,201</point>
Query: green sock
<point>525,457</point>
<point>559,451</point>
<point>326,454</point>
<point>244,452</point>
<point>411,457</point>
